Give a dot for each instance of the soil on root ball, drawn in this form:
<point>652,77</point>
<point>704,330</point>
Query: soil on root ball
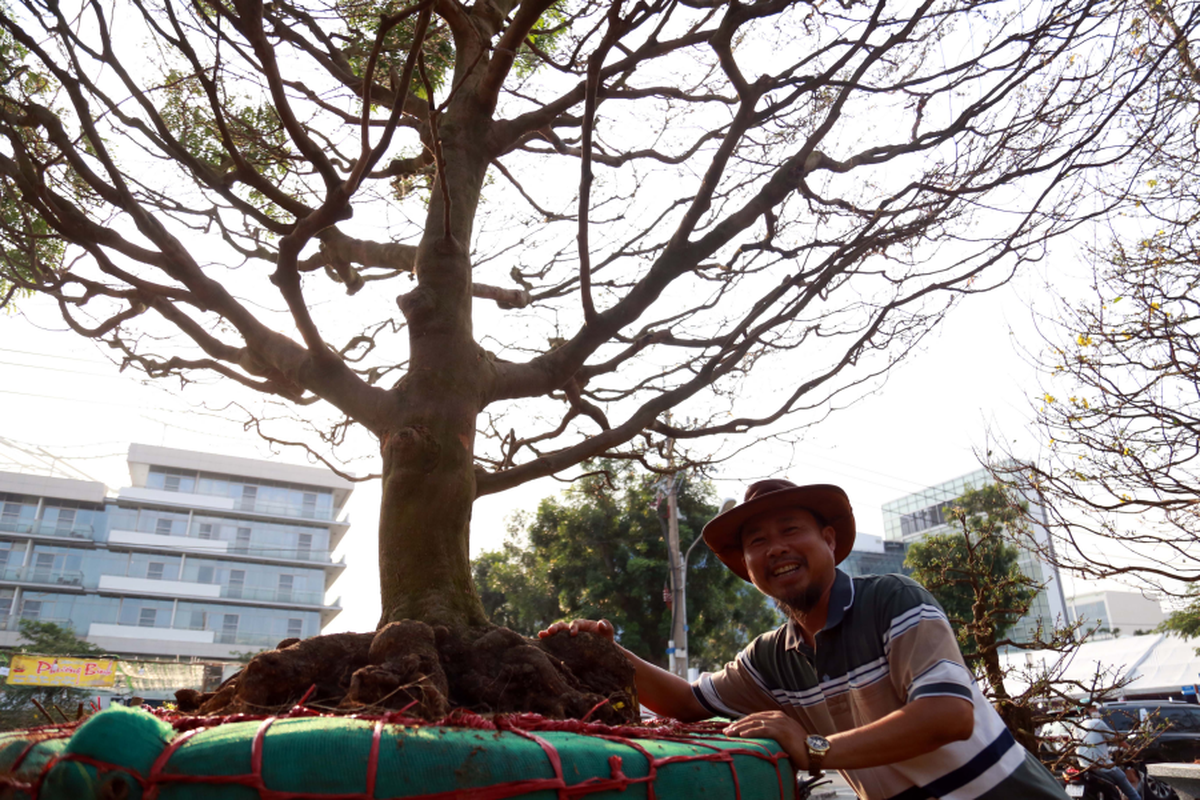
<point>429,670</point>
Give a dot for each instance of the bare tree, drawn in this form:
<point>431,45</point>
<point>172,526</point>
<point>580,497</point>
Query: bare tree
<point>1120,409</point>
<point>739,211</point>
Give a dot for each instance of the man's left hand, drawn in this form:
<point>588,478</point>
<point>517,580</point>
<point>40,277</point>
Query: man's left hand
<point>778,726</point>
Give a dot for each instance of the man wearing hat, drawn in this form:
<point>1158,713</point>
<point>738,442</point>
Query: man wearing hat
<point>865,677</point>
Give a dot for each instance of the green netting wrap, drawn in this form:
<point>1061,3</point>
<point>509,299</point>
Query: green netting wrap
<point>125,753</point>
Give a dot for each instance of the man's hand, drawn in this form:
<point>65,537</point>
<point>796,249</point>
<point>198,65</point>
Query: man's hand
<point>662,692</point>
<point>778,726</point>
<point>600,627</point>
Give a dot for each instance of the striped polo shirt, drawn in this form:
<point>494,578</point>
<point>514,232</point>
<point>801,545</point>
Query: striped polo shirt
<point>886,642</point>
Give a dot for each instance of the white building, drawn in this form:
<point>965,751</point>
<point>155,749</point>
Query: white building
<point>1117,613</point>
<point>204,556</point>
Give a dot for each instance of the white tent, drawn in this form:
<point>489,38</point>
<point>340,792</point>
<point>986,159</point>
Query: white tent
<point>1156,665</point>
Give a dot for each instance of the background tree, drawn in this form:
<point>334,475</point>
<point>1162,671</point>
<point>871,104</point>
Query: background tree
<point>600,551</point>
<point>659,200</point>
<point>1119,414</point>
<point>17,709</point>
<point>1184,620</point>
<point>973,572</point>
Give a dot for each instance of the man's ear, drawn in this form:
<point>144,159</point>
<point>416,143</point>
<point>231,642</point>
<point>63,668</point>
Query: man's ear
<point>829,534</point>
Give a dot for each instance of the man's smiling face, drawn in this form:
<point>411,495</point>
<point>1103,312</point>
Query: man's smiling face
<point>789,556</point>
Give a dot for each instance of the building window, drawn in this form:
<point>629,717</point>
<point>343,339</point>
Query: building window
<point>249,497</point>
<point>199,620</point>
<point>147,617</point>
<point>304,546</point>
<point>286,582</point>
<point>171,483</point>
<point>237,582</point>
<point>155,570</point>
<point>295,628</point>
<point>10,515</point>
<point>229,629</point>
<point>66,520</point>
<point>926,518</point>
<point>205,531</point>
<point>205,575</point>
<point>31,609</point>
<point>42,564</point>
<point>163,526</point>
<point>242,543</point>
<point>309,506</point>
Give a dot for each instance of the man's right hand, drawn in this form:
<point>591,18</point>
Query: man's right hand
<point>662,692</point>
<point>600,627</point>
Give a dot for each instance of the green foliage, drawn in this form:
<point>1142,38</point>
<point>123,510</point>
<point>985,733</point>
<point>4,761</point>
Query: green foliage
<point>363,21</point>
<point>255,133</point>
<point>29,251</point>
<point>600,552</point>
<point>972,569</point>
<point>47,639</point>
<point>51,639</point>
<point>1186,620</point>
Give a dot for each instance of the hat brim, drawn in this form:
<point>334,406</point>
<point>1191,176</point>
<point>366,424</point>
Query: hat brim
<point>723,533</point>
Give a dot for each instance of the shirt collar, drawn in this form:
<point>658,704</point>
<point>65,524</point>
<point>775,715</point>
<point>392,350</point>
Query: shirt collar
<point>841,597</point>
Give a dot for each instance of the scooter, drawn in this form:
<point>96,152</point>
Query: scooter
<point>1090,786</point>
<point>805,784</point>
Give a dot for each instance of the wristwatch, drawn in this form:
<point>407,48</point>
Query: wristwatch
<point>818,748</point>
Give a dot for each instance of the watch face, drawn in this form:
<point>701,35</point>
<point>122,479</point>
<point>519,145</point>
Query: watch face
<point>817,744</point>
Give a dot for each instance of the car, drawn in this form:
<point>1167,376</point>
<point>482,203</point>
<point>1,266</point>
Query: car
<point>1174,728</point>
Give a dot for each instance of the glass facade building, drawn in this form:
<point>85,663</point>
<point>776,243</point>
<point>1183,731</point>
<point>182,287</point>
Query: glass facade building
<point>203,556</point>
<point>919,514</point>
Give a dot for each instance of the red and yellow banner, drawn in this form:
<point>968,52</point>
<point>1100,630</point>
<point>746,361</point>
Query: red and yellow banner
<point>26,670</point>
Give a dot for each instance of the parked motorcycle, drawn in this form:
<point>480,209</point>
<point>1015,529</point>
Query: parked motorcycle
<point>1088,785</point>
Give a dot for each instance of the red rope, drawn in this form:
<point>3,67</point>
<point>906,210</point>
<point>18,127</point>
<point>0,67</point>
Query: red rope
<point>704,736</point>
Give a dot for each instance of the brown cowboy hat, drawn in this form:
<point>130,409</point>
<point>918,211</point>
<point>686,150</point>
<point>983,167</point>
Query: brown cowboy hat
<point>723,533</point>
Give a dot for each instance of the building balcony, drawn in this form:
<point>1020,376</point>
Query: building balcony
<point>280,596</point>
<point>189,590</point>
<point>182,634</point>
<point>39,529</point>
<point>257,508</point>
<point>151,632</point>
<point>34,577</point>
<point>120,584</point>
<point>136,540</point>
<point>159,541</point>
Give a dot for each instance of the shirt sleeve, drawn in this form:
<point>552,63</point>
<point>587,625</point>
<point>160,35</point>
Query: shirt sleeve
<point>734,691</point>
<point>922,653</point>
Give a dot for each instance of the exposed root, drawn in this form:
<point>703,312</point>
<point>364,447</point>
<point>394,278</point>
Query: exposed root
<point>429,670</point>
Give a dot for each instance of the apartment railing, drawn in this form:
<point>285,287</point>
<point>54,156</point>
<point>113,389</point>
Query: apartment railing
<point>281,509</point>
<point>273,595</point>
<point>297,554</point>
<point>40,528</point>
<point>49,577</point>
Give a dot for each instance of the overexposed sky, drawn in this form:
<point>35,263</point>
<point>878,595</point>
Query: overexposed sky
<point>923,427</point>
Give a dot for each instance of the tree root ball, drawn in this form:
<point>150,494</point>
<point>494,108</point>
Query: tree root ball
<point>429,670</point>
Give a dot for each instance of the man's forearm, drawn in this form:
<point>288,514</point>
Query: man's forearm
<point>665,693</point>
<point>918,728</point>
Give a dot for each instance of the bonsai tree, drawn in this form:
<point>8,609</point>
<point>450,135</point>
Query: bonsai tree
<point>505,236</point>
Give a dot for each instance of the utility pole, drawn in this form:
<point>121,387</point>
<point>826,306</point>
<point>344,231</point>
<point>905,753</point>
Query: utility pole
<point>677,646</point>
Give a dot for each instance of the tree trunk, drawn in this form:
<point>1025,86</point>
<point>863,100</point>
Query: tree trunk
<point>1017,717</point>
<point>428,465</point>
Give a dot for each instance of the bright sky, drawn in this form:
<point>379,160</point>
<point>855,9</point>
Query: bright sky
<point>923,427</point>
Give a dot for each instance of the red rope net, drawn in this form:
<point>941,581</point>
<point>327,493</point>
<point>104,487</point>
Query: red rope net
<point>705,736</point>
